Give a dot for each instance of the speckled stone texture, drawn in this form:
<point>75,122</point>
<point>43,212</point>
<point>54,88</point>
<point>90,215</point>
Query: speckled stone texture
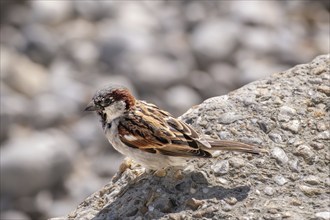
<point>286,113</point>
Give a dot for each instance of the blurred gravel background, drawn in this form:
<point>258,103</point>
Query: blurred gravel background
<point>56,54</point>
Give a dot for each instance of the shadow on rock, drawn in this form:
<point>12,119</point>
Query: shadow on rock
<point>153,197</point>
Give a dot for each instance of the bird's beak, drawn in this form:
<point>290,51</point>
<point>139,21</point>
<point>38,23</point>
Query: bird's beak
<point>92,107</point>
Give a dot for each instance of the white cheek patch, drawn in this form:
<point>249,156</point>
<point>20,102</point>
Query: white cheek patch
<point>130,137</point>
<point>114,111</point>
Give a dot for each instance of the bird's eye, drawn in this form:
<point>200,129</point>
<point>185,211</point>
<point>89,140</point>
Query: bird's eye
<point>106,101</point>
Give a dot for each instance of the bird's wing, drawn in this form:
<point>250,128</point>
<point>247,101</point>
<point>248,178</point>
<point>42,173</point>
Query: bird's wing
<point>155,131</point>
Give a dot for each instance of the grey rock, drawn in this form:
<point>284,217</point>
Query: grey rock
<point>321,126</point>
<point>229,117</point>
<point>261,179</point>
<point>315,80</point>
<point>52,12</point>
<point>325,135</point>
<point>306,152</point>
<point>226,207</point>
<point>256,12</point>
<point>309,191</point>
<point>159,71</point>
<point>13,214</point>
<point>37,47</point>
<point>312,180</point>
<point>224,135</point>
<point>323,215</point>
<point>280,180</point>
<point>294,165</point>
<point>224,75</point>
<point>35,162</point>
<point>223,181</point>
<point>29,84</point>
<point>207,33</point>
<point>237,162</point>
<point>279,155</point>
<point>181,97</point>
<point>292,126</point>
<point>269,191</point>
<point>275,137</point>
<point>286,113</point>
<point>266,126</point>
<point>94,10</point>
<point>231,200</point>
<point>317,145</point>
<point>15,108</point>
<point>84,52</point>
<point>221,167</point>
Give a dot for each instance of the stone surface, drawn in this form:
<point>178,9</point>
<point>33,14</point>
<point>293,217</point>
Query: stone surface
<point>55,54</point>
<point>283,184</point>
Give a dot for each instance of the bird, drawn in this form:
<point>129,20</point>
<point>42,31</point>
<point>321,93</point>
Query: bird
<point>150,136</point>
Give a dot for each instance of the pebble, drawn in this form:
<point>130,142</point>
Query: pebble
<point>223,181</point>
<point>29,84</point>
<point>327,182</point>
<point>269,191</point>
<point>309,191</point>
<point>276,138</point>
<point>312,180</point>
<point>176,216</point>
<point>224,135</point>
<point>258,12</point>
<point>237,162</point>
<point>280,180</point>
<point>321,126</point>
<point>229,117</point>
<point>194,204</point>
<point>178,175</point>
<point>206,33</point>
<point>293,126</point>
<point>205,190</point>
<point>220,167</point>
<point>193,190</point>
<point>231,200</point>
<point>199,177</point>
<point>325,135</point>
<point>51,12</point>
<point>226,207</point>
<point>286,113</point>
<point>315,80</point>
<point>279,155</point>
<point>295,202</point>
<point>14,214</point>
<point>306,152</point>
<point>159,71</point>
<point>45,162</point>
<point>323,215</point>
<point>185,97</point>
<point>294,166</point>
<point>266,126</point>
<point>164,204</point>
<point>317,145</point>
<point>324,89</point>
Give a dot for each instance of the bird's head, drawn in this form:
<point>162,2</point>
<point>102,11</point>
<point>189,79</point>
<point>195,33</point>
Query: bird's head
<point>111,102</point>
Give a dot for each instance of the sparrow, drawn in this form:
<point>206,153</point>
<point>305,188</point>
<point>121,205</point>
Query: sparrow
<point>151,136</point>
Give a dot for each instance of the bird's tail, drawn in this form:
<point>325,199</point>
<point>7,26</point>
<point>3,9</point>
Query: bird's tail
<point>234,146</point>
